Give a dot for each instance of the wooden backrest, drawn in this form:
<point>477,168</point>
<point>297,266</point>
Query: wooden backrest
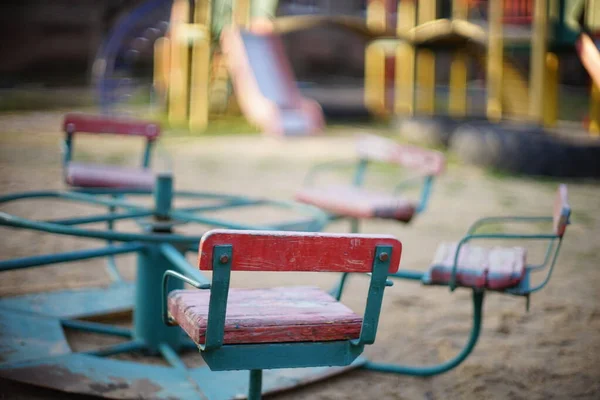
<point>562,211</point>
<point>297,251</point>
<point>378,148</point>
<point>82,123</point>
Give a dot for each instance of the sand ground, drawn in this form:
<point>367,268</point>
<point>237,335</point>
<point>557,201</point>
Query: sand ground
<point>550,352</point>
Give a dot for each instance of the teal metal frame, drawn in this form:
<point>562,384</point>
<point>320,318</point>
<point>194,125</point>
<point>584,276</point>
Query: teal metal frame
<point>524,288</point>
<point>158,250</point>
<point>358,179</point>
<point>68,145</point>
<point>257,357</point>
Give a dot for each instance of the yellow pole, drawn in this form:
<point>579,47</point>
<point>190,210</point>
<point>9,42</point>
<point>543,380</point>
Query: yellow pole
<point>376,15</point>
<point>457,101</point>
<point>404,86</point>
<point>200,68</point>
<point>178,72</point>
<point>242,12</point>
<point>551,90</point>
<point>161,65</point>
<point>539,47</point>
<point>494,61</point>
<point>375,82</point>
<point>595,111</point>
<point>426,63</point>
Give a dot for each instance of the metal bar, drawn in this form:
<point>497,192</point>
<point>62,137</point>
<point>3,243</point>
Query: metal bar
<point>539,47</point>
<point>551,90</point>
<point>148,324</point>
<point>199,77</point>
<point>425,192</point>
<point>381,266</point>
<point>339,288</point>
<point>120,348</point>
<point>255,385</point>
<point>165,292</point>
<point>147,154</point>
<point>547,279</point>
<point>404,87</point>
<point>227,205</point>
<point>180,263</point>
<point>546,258</point>
<point>99,218</point>
<point>47,259</point>
<point>162,56</point>
<point>425,72</point>
<point>215,221</point>
<point>408,275</point>
<point>179,63</point>
<point>163,196</point>
<point>14,221</point>
<point>375,82</point>
<point>68,149</point>
<point>91,199</point>
<point>172,357</point>
<point>448,365</point>
<point>594,127</point>
<point>96,327</point>
<point>111,265</point>
<point>511,219</point>
<point>219,292</point>
<point>495,60</point>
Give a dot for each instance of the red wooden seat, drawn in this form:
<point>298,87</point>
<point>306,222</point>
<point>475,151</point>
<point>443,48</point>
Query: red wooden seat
<point>80,174</point>
<point>358,202</point>
<point>108,176</point>
<point>493,268</point>
<point>354,201</point>
<point>283,314</point>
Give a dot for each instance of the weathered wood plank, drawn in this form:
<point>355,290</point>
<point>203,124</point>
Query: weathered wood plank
<point>428,162</point>
<point>493,268</point>
<point>93,175</point>
<point>298,251</point>
<point>357,202</point>
<point>275,315</point>
<point>76,123</point>
<point>561,211</point>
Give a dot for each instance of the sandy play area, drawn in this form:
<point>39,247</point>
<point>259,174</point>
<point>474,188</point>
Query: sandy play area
<point>550,352</point>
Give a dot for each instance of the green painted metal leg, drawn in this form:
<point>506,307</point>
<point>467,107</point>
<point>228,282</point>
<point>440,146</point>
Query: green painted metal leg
<point>113,271</point>
<point>448,365</point>
<point>255,390</point>
<point>337,291</point>
<point>148,325</point>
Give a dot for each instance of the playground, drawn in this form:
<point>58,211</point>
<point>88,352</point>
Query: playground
<point>226,211</point>
<point>549,352</point>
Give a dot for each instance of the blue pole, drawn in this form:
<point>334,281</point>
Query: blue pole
<point>408,275</point>
<point>148,325</point>
<point>120,348</point>
<point>255,389</point>
<point>163,196</point>
<point>96,327</point>
<point>47,259</point>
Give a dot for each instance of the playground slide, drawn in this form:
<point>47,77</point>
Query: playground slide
<point>265,85</point>
<point>590,57</point>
